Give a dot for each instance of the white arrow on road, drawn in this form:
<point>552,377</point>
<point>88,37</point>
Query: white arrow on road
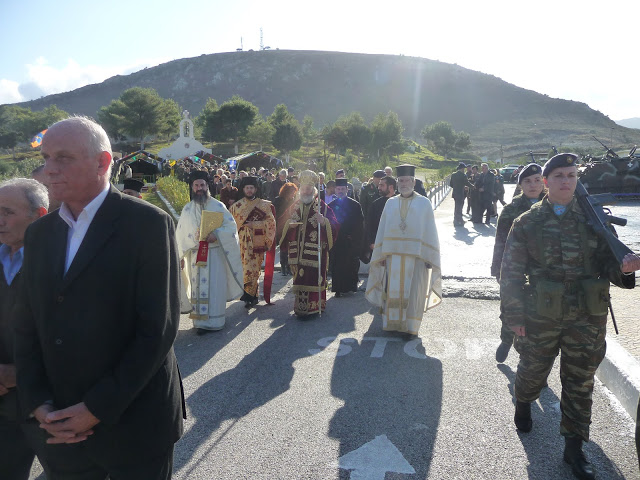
<point>372,460</point>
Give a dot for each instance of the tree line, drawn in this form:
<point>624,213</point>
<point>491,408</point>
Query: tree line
<point>140,112</point>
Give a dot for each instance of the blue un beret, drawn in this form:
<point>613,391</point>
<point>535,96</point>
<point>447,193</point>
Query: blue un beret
<point>558,161</point>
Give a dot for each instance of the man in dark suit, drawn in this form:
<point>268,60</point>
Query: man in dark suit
<point>458,182</point>
<point>96,321</point>
<point>486,184</point>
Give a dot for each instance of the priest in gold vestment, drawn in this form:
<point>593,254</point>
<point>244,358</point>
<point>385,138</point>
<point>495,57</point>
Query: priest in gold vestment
<point>256,223</point>
<point>210,284</point>
<point>404,273</point>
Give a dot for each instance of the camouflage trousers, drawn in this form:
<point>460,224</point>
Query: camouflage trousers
<point>580,340</point>
<point>506,334</point>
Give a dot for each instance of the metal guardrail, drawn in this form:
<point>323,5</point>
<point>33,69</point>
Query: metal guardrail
<point>439,192</point>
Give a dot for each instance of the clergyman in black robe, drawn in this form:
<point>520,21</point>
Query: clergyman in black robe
<point>346,249</point>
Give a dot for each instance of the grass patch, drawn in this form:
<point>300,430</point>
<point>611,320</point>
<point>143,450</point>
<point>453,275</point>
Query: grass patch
<point>154,199</point>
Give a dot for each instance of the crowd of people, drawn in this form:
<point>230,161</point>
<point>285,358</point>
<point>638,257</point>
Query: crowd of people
<point>482,189</point>
<point>77,285</point>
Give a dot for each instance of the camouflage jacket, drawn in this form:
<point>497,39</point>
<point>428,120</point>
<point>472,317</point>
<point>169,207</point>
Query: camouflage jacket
<point>544,246</point>
<point>509,213</point>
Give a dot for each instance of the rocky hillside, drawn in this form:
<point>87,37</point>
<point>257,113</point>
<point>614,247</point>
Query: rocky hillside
<point>326,85</point>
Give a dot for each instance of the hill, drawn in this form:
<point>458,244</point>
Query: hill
<point>629,122</point>
<point>326,85</point>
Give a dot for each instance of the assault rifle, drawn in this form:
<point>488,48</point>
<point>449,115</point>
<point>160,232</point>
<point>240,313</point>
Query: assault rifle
<point>601,222</point>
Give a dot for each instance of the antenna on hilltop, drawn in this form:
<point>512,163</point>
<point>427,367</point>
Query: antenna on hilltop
<point>261,42</point>
<point>239,49</point>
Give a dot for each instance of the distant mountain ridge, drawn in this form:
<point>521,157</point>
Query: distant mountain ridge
<point>326,85</point>
<point>630,122</point>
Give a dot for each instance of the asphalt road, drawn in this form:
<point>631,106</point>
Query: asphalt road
<point>336,397</point>
<point>276,397</point>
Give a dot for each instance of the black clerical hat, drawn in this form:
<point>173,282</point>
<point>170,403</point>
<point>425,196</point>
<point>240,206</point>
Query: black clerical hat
<point>133,184</point>
<point>249,181</point>
<point>198,175</point>
<point>342,182</point>
<point>406,170</point>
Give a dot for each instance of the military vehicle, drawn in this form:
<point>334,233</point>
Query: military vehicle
<point>612,173</point>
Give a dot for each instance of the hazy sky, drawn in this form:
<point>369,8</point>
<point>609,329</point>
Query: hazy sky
<point>568,49</point>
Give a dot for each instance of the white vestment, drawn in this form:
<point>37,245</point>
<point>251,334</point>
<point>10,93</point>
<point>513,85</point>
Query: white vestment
<point>404,272</point>
<point>210,287</point>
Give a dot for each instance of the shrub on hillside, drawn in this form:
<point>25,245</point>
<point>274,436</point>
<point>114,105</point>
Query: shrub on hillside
<point>175,191</point>
<point>21,169</point>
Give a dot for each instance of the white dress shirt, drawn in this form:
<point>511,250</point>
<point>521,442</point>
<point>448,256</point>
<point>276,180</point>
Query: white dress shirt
<point>78,228</point>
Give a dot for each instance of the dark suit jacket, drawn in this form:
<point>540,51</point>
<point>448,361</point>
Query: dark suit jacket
<point>457,182</point>
<point>103,332</point>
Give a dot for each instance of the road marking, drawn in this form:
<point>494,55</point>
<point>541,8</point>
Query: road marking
<point>440,348</point>
<point>374,459</point>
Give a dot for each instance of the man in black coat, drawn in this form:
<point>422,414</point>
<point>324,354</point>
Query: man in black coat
<point>96,321</point>
<point>346,249</point>
<point>485,184</point>
<point>458,182</point>
<point>386,189</point>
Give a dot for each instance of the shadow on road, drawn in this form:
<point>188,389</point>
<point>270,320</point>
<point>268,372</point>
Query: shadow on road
<point>544,445</point>
<point>258,378</point>
<point>402,399</point>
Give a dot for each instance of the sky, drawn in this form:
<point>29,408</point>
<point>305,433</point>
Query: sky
<point>568,49</point>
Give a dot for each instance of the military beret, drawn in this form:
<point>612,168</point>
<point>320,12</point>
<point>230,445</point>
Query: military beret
<point>342,182</point>
<point>133,184</point>
<point>379,174</point>
<point>406,170</point>
<point>531,169</point>
<point>558,161</point>
<point>340,172</point>
<point>198,175</point>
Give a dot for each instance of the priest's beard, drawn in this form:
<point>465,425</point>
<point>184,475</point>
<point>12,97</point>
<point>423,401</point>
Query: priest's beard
<point>201,197</point>
<point>405,191</point>
<point>306,199</point>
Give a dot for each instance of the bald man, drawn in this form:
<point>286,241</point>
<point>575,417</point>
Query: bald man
<point>98,381</point>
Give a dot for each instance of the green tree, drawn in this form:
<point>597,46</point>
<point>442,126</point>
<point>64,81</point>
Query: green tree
<point>337,138</point>
<point>308,131</point>
<point>444,140</point>
<point>9,140</point>
<point>280,115</point>
<point>288,137</point>
<point>172,117</point>
<point>385,130</point>
<point>19,124</point>
<point>111,122</point>
<point>204,121</point>
<point>138,112</point>
<point>232,120</point>
<point>261,133</point>
<point>358,133</point>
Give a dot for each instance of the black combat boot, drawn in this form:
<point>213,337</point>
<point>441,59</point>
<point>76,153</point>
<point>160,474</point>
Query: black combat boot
<point>522,418</point>
<point>502,352</point>
<point>574,456</point>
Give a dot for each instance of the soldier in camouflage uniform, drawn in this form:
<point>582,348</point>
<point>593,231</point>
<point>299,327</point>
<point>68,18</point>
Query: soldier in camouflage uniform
<point>530,180</point>
<point>554,293</point>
